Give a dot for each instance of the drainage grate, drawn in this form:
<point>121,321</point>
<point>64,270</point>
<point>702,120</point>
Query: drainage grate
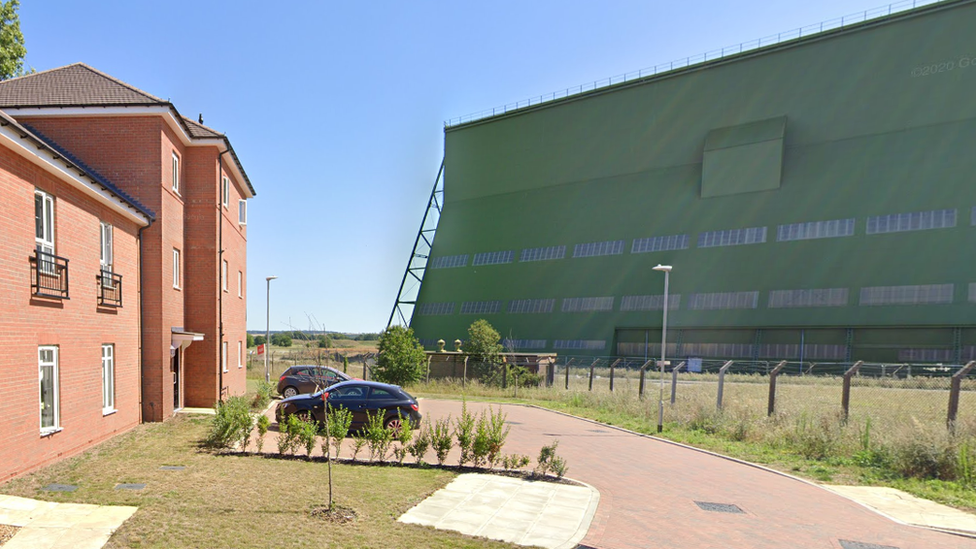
<point>60,488</point>
<point>719,507</point>
<point>173,467</point>
<point>847,544</point>
<point>130,486</point>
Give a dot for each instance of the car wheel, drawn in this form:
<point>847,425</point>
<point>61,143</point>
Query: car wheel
<point>304,415</point>
<point>289,392</point>
<point>394,424</point>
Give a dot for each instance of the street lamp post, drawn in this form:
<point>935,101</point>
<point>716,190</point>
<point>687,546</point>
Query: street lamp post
<point>664,345</point>
<point>267,331</point>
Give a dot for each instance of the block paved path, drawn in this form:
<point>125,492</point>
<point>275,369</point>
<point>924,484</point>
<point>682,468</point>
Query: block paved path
<point>648,489</point>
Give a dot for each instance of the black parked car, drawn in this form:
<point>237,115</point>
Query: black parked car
<point>359,397</point>
<point>307,379</point>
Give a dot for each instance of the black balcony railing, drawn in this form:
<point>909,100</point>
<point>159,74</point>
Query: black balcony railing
<point>49,275</point>
<point>109,289</point>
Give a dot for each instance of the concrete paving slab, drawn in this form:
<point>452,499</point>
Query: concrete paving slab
<point>203,411</point>
<point>909,509</point>
<point>546,514</point>
<point>17,511</point>
<point>50,525</point>
<point>84,538</point>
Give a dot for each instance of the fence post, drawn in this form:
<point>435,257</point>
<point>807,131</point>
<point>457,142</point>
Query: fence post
<point>592,367</point>
<point>640,388</point>
<point>771,407</point>
<point>954,389</point>
<point>428,370</point>
<point>505,375</point>
<point>612,367</point>
<point>464,373</point>
<point>721,383</point>
<point>674,380</point>
<point>567,372</point>
<point>845,399</point>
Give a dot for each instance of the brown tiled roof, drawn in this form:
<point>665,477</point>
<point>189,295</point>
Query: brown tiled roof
<point>79,85</point>
<point>71,86</point>
<point>199,130</point>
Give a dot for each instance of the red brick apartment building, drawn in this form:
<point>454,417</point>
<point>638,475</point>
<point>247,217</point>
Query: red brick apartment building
<point>124,300</point>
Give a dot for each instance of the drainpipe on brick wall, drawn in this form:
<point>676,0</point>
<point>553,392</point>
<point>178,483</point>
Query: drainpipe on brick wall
<point>142,314</point>
<point>220,271</point>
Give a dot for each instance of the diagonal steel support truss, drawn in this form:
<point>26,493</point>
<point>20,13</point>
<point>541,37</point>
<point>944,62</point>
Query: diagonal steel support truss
<point>413,277</point>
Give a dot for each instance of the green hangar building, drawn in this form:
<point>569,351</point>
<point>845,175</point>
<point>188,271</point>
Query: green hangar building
<point>815,198</point>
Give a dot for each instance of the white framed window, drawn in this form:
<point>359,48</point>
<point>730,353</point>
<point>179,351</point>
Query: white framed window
<point>44,223</point>
<point>105,258</point>
<point>50,412</point>
<point>240,354</point>
<point>176,268</point>
<point>176,173</point>
<point>225,192</point>
<point>242,212</point>
<point>105,255</point>
<point>240,284</point>
<point>108,378</point>
<point>223,356</point>
<point>223,275</point>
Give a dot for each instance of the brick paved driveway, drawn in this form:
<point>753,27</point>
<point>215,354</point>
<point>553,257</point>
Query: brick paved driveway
<point>648,489</point>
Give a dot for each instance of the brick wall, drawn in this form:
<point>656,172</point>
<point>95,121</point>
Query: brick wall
<point>202,277</point>
<point>135,153</point>
<point>235,299</point>
<point>77,326</point>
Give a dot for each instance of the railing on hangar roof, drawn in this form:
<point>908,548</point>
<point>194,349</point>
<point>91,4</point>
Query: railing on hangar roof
<point>817,28</point>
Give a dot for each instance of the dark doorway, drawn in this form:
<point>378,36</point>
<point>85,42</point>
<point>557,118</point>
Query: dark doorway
<point>176,380</point>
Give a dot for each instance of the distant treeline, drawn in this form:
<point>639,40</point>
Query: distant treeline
<point>308,335</point>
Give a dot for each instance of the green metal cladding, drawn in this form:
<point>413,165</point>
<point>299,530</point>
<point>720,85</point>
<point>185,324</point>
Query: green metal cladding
<point>853,126</point>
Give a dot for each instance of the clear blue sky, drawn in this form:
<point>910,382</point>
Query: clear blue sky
<point>336,109</point>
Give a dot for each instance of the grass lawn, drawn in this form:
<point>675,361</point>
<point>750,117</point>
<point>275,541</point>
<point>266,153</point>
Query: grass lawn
<point>239,501</point>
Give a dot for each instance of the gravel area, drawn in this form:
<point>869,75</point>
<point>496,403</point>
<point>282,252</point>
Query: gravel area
<point>7,532</point>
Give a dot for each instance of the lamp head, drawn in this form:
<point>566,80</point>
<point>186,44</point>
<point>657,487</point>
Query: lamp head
<point>270,278</point>
<point>665,268</point>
